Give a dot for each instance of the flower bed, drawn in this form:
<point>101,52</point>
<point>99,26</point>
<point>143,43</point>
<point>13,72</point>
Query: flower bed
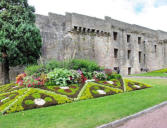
<point>133,85</point>
<point>60,86</point>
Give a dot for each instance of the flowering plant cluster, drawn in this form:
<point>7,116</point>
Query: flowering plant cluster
<point>30,81</point>
<point>19,79</point>
<point>99,75</point>
<point>63,77</point>
<point>83,78</point>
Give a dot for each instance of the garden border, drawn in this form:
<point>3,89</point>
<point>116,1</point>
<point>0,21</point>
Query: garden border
<point>120,122</point>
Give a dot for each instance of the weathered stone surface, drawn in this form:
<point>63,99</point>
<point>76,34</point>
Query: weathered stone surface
<point>79,36</point>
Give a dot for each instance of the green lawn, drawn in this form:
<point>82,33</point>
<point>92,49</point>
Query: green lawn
<point>157,73</point>
<point>90,113</point>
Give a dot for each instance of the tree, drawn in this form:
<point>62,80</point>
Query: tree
<point>20,40</point>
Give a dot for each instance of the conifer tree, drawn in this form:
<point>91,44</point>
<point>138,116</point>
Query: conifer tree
<point>20,40</point>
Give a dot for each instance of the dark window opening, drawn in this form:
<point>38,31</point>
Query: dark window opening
<point>155,48</point>
<point>139,57</point>
<point>88,30</point>
<point>115,53</point>
<point>129,54</point>
<point>128,38</point>
<point>93,30</point>
<point>84,30</point>
<point>75,28</point>
<point>80,29</point>
<point>129,71</point>
<point>144,58</point>
<point>139,40</point>
<point>115,34</point>
<point>116,69</point>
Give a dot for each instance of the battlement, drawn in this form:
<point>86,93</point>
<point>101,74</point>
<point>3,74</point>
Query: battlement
<point>87,24</point>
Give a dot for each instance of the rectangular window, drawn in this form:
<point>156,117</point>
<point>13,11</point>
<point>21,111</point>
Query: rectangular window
<point>129,71</point>
<point>155,48</point>
<point>144,58</point>
<point>128,38</point>
<point>129,54</point>
<point>115,53</point>
<point>139,40</point>
<point>139,57</point>
<point>115,34</point>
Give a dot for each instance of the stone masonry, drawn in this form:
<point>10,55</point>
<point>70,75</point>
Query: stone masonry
<point>111,43</point>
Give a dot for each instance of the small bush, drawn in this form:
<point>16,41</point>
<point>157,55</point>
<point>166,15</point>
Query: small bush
<point>29,102</point>
<point>36,95</point>
<point>48,99</point>
<point>114,76</point>
<point>32,69</point>
<point>63,77</point>
<point>84,65</point>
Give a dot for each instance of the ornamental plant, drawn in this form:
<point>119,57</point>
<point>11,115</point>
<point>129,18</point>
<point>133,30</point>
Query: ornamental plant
<point>29,81</point>
<point>19,79</point>
<point>62,77</point>
<point>20,40</point>
<point>99,76</point>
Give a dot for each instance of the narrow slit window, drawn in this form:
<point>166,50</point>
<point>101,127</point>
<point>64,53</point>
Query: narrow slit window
<point>115,53</point>
<point>129,54</point>
<point>155,48</point>
<point>139,57</point>
<point>144,58</point>
<point>115,34</point>
<point>129,71</point>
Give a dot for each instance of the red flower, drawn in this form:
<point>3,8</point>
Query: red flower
<point>29,85</point>
<point>70,77</point>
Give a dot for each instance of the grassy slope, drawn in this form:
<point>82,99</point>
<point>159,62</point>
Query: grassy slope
<point>89,113</point>
<point>159,73</point>
<point>156,74</point>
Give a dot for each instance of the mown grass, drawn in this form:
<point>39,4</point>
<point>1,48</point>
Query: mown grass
<point>157,73</point>
<point>90,113</point>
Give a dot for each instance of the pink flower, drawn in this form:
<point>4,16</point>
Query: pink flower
<point>29,85</point>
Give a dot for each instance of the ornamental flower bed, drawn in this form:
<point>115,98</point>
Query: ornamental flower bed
<point>60,86</point>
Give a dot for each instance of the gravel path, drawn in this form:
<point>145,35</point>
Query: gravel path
<point>155,119</point>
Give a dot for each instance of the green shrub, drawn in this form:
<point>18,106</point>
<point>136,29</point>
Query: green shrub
<point>99,75</point>
<point>63,77</point>
<point>29,102</point>
<point>114,76</point>
<point>48,99</point>
<point>84,65</point>
<point>33,70</point>
<point>36,95</point>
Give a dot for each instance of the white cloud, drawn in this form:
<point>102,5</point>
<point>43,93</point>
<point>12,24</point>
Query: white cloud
<point>124,10</point>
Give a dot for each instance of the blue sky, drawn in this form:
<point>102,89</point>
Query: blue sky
<point>148,13</point>
<point>160,3</point>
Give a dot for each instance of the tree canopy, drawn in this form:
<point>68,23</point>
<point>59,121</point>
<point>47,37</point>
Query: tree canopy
<point>20,40</point>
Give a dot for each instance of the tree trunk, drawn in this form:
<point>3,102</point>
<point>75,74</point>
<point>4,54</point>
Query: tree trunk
<point>5,71</point>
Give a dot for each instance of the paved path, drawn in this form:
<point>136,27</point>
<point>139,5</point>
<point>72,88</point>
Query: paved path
<point>155,119</point>
<point>147,77</point>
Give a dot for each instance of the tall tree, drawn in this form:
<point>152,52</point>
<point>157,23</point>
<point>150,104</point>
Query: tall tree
<point>20,40</point>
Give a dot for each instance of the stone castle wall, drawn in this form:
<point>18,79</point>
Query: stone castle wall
<point>78,36</point>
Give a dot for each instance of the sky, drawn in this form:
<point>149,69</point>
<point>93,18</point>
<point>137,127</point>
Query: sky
<point>148,13</point>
